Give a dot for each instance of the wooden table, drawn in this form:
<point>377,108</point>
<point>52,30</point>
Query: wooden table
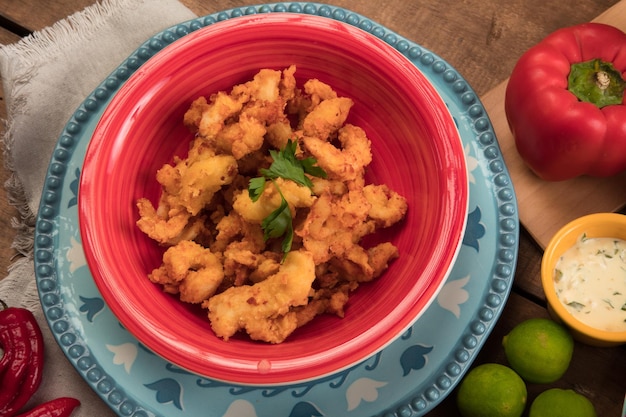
<point>482,39</point>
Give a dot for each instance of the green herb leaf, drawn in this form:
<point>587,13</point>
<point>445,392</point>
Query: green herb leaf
<point>256,186</point>
<point>287,166</point>
<point>279,223</point>
<point>308,164</point>
<point>288,239</point>
<point>558,275</point>
<point>576,305</point>
<point>284,165</point>
<point>608,302</point>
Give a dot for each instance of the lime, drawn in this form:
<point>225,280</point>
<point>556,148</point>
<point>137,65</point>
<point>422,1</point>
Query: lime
<point>557,402</point>
<point>491,390</point>
<point>539,350</point>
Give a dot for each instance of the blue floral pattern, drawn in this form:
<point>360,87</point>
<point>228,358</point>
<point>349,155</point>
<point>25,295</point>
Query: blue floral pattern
<point>74,189</point>
<point>305,409</point>
<point>414,358</point>
<point>168,391</point>
<point>91,306</point>
<point>474,230</point>
<point>408,378</point>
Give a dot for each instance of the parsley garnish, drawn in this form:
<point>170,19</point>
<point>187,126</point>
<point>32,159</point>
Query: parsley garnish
<point>284,165</point>
<point>576,305</point>
<point>256,187</point>
<point>279,223</point>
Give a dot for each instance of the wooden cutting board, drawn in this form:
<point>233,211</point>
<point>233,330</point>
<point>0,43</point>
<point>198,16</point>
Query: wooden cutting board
<point>544,207</point>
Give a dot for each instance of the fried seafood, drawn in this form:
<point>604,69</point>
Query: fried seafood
<point>264,310</point>
<point>190,270</point>
<point>270,161</point>
<point>347,163</point>
<point>188,187</point>
<point>326,118</point>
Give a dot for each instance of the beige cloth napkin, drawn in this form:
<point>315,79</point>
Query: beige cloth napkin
<point>45,77</point>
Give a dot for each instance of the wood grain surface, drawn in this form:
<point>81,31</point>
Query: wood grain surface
<point>482,39</point>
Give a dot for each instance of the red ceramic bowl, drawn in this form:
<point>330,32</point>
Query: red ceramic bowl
<point>417,151</point>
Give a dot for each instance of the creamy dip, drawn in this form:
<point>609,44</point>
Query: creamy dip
<point>590,281</point>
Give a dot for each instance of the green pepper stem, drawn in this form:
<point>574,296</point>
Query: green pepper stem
<point>603,80</point>
<point>596,82</point>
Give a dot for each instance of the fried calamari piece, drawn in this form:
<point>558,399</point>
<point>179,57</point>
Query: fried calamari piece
<point>193,116</point>
<point>264,86</point>
<point>190,270</point>
<point>336,224</point>
<point>380,256</point>
<point>266,267</point>
<point>279,133</point>
<point>288,86</point>
<point>233,228</point>
<point>327,117</point>
<point>318,91</point>
<point>209,118</point>
<point>244,266</point>
<point>346,163</point>
<point>188,187</point>
<point>240,260</point>
<point>376,262</point>
<point>264,310</point>
<point>315,91</point>
<point>387,206</point>
<point>167,226</point>
<point>263,106</point>
<point>236,123</point>
<point>325,301</point>
<point>335,187</point>
<point>241,138</point>
<point>201,179</point>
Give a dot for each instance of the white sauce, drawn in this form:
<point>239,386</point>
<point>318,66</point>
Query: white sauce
<point>590,281</point>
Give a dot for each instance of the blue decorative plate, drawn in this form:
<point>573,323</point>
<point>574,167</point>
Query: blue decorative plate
<point>408,378</point>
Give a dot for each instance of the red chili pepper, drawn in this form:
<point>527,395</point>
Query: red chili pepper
<point>60,407</point>
<point>6,339</point>
<point>565,103</point>
<point>32,380</point>
<point>22,343</point>
<point>11,322</point>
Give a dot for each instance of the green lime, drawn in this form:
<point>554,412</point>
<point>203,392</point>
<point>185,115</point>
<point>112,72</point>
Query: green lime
<point>491,390</point>
<point>557,402</point>
<point>539,350</point>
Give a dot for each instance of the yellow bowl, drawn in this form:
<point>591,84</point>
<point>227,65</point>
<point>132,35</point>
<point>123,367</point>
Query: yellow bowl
<point>593,225</point>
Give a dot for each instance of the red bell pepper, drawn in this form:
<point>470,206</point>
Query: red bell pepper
<point>565,103</point>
